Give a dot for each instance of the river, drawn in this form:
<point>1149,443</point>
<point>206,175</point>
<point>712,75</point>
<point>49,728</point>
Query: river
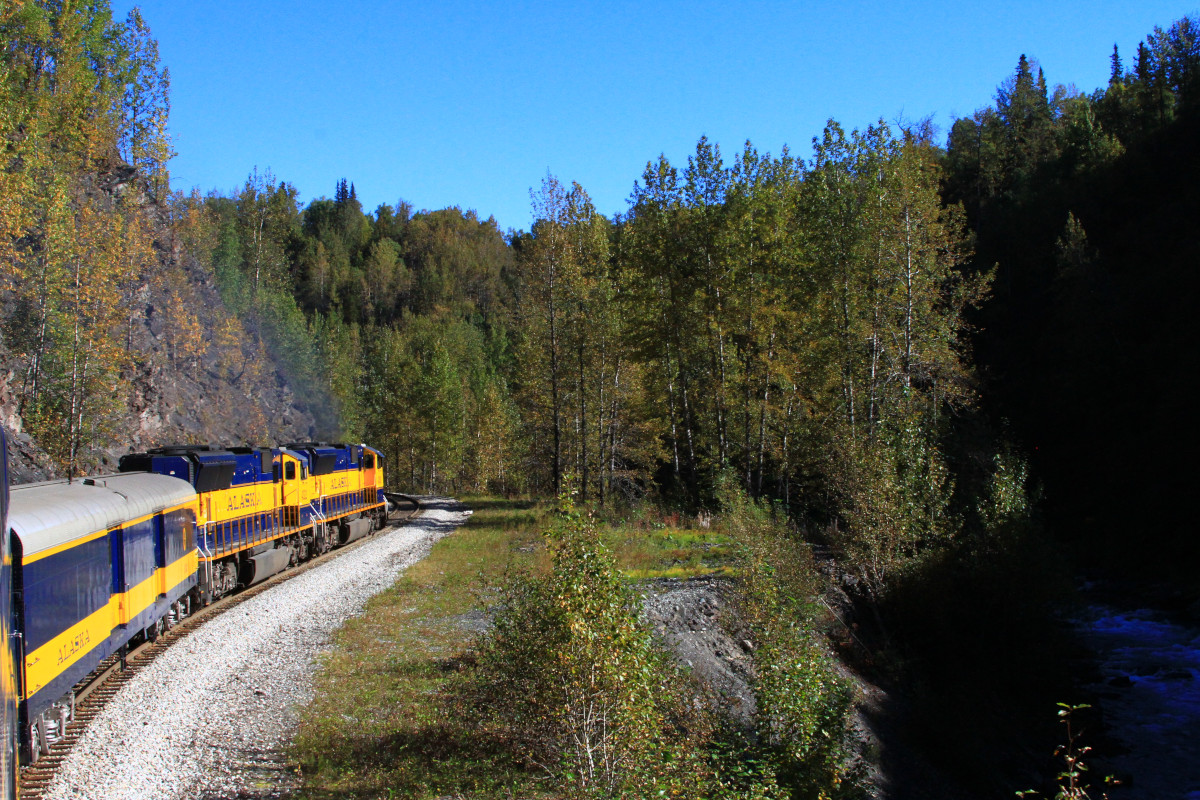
<point>1148,686</point>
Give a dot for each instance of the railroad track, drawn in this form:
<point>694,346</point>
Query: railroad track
<point>94,691</point>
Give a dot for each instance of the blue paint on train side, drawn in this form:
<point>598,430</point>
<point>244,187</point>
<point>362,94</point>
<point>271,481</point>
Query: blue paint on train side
<point>138,546</point>
<point>62,589</point>
<point>9,654</point>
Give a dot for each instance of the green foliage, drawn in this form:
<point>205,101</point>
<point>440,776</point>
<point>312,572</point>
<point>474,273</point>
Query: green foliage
<point>1071,782</point>
<point>804,706</point>
<point>388,329</point>
<point>571,677</point>
<point>430,398</point>
<point>1082,213</point>
<point>757,315</point>
<point>669,551</point>
<point>895,492</point>
<point>73,259</point>
<point>1007,502</point>
<point>339,348</point>
<point>574,383</point>
<point>144,140</point>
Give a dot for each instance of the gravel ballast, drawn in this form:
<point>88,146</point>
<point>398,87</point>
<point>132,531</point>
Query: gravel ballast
<point>212,715</point>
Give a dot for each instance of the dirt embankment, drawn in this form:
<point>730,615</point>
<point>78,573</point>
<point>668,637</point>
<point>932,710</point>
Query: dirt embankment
<point>697,621</point>
<point>693,619</point>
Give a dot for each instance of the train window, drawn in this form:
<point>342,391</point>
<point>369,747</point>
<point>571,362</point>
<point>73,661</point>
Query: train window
<point>178,530</point>
<point>138,552</point>
<point>290,471</point>
<point>66,587</point>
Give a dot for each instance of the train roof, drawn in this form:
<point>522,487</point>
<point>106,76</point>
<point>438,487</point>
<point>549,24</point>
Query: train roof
<point>46,515</point>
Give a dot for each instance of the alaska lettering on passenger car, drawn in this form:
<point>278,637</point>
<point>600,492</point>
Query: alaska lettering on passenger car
<point>74,645</point>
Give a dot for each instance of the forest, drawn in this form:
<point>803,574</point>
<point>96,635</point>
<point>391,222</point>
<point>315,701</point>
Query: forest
<point>940,356</point>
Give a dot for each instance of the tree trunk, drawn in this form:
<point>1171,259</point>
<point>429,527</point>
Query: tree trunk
<point>762,416</point>
<point>583,429</point>
<point>554,388</point>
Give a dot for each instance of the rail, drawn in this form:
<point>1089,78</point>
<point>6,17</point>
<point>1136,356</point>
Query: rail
<point>102,684</point>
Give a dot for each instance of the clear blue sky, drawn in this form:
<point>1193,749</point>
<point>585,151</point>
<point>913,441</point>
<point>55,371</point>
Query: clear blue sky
<point>471,103</point>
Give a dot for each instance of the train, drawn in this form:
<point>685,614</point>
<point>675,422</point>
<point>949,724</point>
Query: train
<point>8,686</point>
<point>93,566</point>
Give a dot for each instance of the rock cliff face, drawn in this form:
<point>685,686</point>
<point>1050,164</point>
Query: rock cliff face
<point>233,392</point>
<point>27,462</point>
<point>220,386</point>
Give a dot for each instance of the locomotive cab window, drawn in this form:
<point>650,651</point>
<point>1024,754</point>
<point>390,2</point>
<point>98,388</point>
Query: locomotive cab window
<point>289,471</point>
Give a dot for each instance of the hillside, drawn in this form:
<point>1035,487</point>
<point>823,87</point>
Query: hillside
<point>193,370</point>
<point>113,335</point>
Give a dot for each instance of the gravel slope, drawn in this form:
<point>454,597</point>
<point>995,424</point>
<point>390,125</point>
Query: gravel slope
<point>691,617</point>
<point>210,716</point>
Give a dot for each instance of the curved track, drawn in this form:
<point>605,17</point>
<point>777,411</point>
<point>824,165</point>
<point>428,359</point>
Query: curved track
<point>94,691</point>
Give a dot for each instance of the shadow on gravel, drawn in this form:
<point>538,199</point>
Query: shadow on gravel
<point>437,526</point>
<point>431,503</point>
<point>259,775</point>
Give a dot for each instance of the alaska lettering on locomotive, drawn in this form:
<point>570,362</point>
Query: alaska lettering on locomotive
<point>237,502</point>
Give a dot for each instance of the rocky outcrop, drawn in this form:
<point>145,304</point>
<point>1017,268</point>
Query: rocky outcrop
<point>173,399</point>
<point>225,387</point>
<point>27,463</point>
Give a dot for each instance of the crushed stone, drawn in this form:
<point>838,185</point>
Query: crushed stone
<point>213,715</point>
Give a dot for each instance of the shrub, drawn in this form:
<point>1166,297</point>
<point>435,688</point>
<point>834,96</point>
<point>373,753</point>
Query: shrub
<point>571,678</point>
<point>804,706</point>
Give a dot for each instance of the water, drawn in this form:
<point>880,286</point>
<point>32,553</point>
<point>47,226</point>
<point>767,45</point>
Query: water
<point>1150,694</point>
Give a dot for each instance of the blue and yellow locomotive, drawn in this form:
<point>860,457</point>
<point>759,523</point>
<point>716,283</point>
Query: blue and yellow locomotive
<point>264,509</point>
<point>92,565</point>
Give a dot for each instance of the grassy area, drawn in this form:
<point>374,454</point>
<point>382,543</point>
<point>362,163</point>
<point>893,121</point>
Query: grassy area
<point>669,552</point>
<point>376,727</point>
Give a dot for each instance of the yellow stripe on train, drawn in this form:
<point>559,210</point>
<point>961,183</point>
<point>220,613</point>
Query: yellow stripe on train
<point>140,597</point>
<point>226,505</point>
<point>179,571</point>
<point>51,659</point>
